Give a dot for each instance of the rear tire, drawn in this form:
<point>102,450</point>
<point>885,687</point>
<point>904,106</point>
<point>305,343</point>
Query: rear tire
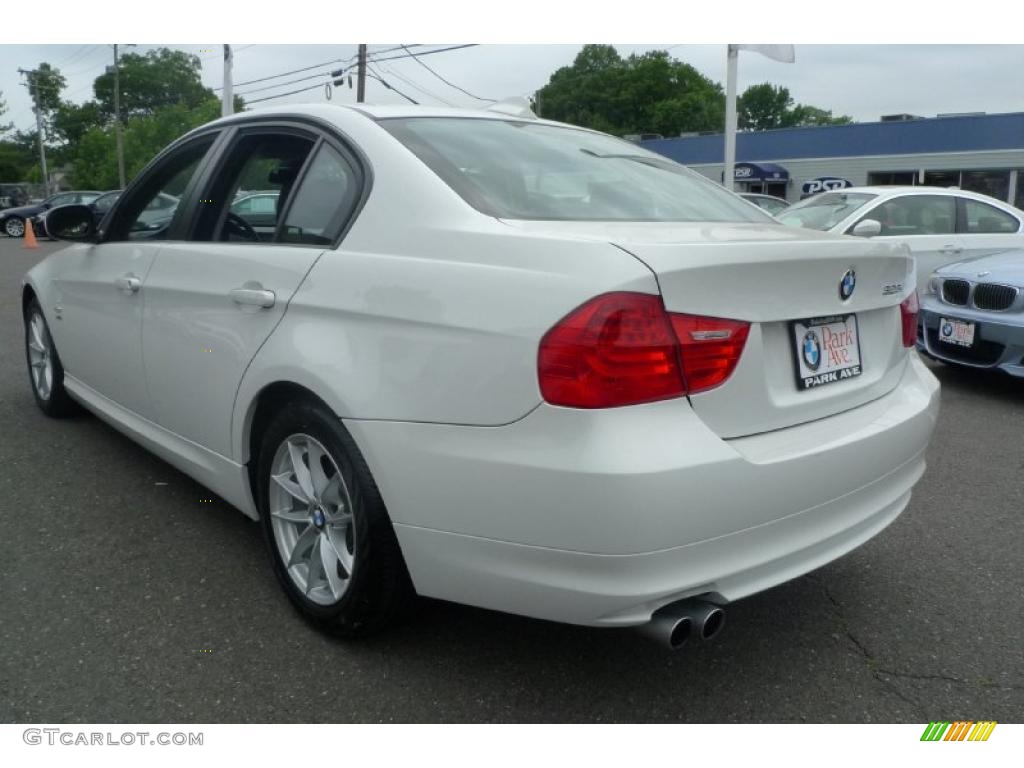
<point>45,372</point>
<point>331,543</point>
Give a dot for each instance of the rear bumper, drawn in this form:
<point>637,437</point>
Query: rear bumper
<point>999,339</point>
<point>601,517</point>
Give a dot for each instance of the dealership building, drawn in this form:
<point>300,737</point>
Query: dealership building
<point>978,152</point>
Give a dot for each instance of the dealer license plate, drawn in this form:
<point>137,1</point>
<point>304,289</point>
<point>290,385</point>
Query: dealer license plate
<point>959,332</point>
<point>827,350</point>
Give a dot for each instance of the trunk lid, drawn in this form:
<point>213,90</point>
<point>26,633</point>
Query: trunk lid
<point>771,275</point>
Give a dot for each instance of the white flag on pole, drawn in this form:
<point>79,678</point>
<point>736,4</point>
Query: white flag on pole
<point>784,53</point>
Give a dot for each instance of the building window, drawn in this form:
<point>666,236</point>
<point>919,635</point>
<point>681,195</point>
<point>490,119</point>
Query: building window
<point>1019,199</point>
<point>888,178</point>
<point>992,183</point>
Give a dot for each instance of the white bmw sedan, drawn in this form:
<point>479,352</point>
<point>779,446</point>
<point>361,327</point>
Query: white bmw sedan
<point>491,359</point>
<point>939,225</point>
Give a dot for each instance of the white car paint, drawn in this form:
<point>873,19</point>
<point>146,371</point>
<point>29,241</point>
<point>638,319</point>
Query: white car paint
<point>421,332</point>
<point>933,251</point>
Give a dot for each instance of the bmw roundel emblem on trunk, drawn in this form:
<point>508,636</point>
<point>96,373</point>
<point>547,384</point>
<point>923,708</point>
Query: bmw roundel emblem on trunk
<point>811,350</point>
<point>847,284</point>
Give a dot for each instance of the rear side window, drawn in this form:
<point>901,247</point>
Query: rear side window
<point>326,196</point>
<point>982,218</point>
<point>526,170</point>
<point>916,215</point>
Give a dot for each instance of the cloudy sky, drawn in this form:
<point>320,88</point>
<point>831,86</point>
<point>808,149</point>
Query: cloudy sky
<point>864,81</point>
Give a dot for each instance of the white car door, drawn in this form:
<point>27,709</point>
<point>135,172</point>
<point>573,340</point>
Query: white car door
<point>986,229</point>
<point>212,301</point>
<point>926,223</point>
<point>100,289</point>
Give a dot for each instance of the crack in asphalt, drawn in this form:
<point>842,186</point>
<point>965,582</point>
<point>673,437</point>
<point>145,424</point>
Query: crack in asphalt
<point>885,675</point>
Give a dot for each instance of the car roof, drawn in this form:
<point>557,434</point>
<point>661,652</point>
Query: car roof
<point>383,112</point>
<point>894,190</point>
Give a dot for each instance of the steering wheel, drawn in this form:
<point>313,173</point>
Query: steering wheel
<point>236,225</point>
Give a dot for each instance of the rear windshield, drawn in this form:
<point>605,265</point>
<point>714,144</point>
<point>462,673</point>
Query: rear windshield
<point>824,211</point>
<point>523,170</point>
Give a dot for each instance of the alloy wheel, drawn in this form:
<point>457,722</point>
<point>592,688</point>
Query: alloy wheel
<point>14,227</point>
<point>40,354</point>
<point>312,519</point>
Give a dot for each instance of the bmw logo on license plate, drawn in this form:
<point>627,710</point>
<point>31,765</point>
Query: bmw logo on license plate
<point>947,329</point>
<point>812,350</point>
<point>847,284</point>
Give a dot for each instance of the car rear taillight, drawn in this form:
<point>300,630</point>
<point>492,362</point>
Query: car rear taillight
<point>710,347</point>
<point>909,308</point>
<point>624,348</point>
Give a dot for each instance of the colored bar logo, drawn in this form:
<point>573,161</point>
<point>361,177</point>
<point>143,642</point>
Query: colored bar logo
<point>961,730</point>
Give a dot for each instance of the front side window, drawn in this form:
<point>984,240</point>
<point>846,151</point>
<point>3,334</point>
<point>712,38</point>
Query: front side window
<point>149,210</point>
<point>824,211</point>
<point>524,170</point>
<point>981,218</point>
<point>258,159</point>
<point>916,215</point>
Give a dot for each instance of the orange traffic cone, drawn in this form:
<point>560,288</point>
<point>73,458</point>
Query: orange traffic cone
<point>30,235</point>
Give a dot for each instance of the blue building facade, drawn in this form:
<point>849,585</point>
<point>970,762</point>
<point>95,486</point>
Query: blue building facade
<point>983,153</point>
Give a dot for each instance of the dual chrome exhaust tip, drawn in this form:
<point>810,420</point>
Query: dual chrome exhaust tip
<point>672,626</point>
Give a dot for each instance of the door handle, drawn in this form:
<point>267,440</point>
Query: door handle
<point>128,283</point>
<point>253,297</point>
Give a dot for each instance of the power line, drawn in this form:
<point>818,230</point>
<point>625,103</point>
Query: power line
<point>281,85</point>
<point>292,72</point>
<point>417,86</point>
<point>427,53</point>
<point>443,80</point>
<point>289,93</point>
<point>388,85</point>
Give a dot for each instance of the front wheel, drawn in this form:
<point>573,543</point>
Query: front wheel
<point>331,542</point>
<point>45,371</point>
<point>14,227</point>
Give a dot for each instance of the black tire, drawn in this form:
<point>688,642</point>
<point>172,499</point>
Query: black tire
<point>379,592</point>
<point>12,224</point>
<point>56,403</point>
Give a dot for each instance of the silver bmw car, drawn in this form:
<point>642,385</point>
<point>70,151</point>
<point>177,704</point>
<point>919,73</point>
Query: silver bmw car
<point>972,313</point>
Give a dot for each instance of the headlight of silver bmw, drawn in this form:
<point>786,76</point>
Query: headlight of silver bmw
<point>934,284</point>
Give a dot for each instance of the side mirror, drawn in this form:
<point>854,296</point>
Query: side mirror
<point>867,228</point>
<point>71,222</point>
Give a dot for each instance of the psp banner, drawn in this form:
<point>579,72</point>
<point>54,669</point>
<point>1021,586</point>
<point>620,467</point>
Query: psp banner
<point>823,184</point>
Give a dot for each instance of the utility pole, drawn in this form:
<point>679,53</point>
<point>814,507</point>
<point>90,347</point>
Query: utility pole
<point>33,91</point>
<point>361,87</point>
<point>228,103</point>
<point>117,119</point>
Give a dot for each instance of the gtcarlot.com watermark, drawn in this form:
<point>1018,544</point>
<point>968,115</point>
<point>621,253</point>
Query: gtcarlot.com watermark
<point>70,738</point>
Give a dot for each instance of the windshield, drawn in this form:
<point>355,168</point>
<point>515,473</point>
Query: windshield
<point>524,170</point>
<point>824,211</point>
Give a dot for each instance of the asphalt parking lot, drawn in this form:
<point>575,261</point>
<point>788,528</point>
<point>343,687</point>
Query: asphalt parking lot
<point>127,598</point>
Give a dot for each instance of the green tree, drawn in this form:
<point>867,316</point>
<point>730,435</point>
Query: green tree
<point>765,107</point>
<point>641,93</point>
<point>4,127</point>
<point>803,114</point>
<point>150,81</point>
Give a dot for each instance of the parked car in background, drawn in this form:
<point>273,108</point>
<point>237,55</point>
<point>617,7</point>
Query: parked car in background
<point>13,220</point>
<point>939,225</point>
<point>259,210</point>
<point>972,313</point>
<point>770,203</point>
<point>12,196</point>
<point>493,359</point>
